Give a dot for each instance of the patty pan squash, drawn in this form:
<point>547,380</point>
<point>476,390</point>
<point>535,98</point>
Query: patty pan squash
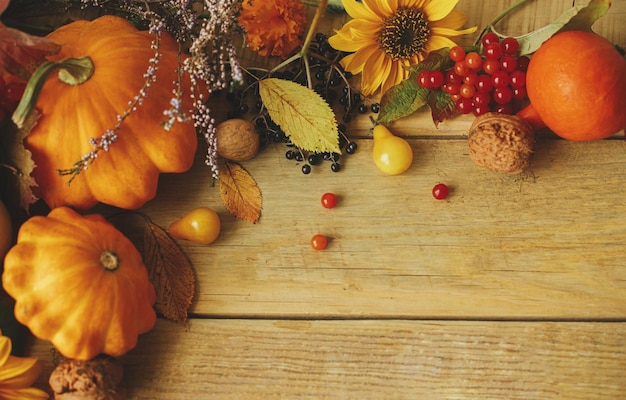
<point>79,283</point>
<point>126,175</point>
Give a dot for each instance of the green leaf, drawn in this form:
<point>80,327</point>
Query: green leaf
<point>401,101</point>
<point>302,114</point>
<point>575,18</point>
<point>408,96</point>
<point>442,106</point>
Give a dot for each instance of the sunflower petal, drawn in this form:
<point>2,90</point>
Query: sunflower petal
<point>358,10</point>
<point>412,3</point>
<point>454,20</point>
<point>5,349</point>
<point>379,8</point>
<point>438,42</point>
<point>452,32</point>
<point>19,372</point>
<point>375,73</point>
<point>23,394</point>
<point>438,9</point>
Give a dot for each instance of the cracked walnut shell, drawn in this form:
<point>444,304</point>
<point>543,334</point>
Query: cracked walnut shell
<point>237,139</point>
<point>503,143</point>
<point>96,379</point>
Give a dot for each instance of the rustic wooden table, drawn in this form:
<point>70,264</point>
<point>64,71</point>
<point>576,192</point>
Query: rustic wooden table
<point>512,288</point>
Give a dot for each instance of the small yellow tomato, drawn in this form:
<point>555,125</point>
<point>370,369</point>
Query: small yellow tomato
<point>201,225</point>
<point>6,231</point>
<point>392,154</point>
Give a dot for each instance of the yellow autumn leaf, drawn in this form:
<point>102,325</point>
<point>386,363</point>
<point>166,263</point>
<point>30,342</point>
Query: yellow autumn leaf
<point>240,193</point>
<point>302,114</point>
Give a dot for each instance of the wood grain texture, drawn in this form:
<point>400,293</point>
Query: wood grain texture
<point>512,288</point>
<point>544,244</point>
<point>264,359</point>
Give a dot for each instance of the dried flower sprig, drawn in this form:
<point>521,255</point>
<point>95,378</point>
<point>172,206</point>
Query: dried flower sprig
<point>110,136</point>
<point>206,30</point>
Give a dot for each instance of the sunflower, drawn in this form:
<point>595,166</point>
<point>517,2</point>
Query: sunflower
<point>385,36</point>
<point>17,374</point>
<point>273,27</point>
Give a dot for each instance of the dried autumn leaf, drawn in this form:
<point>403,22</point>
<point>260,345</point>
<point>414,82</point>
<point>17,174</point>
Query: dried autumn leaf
<point>21,53</point>
<point>19,158</point>
<point>302,114</point>
<point>170,272</point>
<point>240,193</point>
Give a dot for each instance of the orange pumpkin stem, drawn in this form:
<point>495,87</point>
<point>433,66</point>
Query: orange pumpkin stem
<point>72,71</point>
<point>109,260</point>
<point>530,115</point>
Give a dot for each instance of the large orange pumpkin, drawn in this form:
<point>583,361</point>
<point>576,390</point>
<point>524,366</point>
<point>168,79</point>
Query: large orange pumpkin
<point>127,175</point>
<point>79,283</point>
<point>576,83</point>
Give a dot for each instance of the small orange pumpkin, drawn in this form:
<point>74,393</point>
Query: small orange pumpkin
<point>126,176</point>
<point>79,283</point>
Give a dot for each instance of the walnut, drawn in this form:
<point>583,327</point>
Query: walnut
<point>97,379</point>
<point>502,143</point>
<point>237,140</point>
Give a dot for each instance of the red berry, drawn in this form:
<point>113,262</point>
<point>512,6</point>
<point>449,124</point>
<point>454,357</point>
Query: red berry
<point>319,242</point>
<point>503,95</point>
<point>423,79</point>
<point>473,60</point>
<point>491,66</point>
<point>522,63</point>
<point>436,79</point>
<point>489,38</point>
<point>451,88</point>
<point>504,108</point>
<point>508,63</point>
<point>464,105</point>
<point>329,200</point>
<point>461,69</point>
<point>470,78</point>
<point>517,79</point>
<point>500,79</point>
<point>520,93</point>
<point>480,109</point>
<point>457,53</point>
<point>492,51</point>
<point>452,77</point>
<point>467,90</point>
<point>482,99</point>
<point>483,84</point>
<point>440,191</point>
<point>510,45</point>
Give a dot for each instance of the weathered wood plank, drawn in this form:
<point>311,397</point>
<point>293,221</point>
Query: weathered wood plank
<point>256,359</point>
<point>545,244</point>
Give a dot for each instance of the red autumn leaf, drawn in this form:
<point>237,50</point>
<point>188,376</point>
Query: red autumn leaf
<point>21,53</point>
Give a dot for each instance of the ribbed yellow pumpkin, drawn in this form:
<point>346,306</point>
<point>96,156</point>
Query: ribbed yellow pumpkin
<point>127,174</point>
<point>79,283</point>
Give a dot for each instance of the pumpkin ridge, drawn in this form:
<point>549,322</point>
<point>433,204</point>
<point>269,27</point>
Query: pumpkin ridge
<point>63,294</point>
<point>71,117</point>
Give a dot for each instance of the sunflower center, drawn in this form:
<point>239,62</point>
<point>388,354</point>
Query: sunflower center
<point>404,33</point>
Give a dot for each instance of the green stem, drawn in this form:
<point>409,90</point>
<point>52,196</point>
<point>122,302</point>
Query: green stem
<point>499,18</point>
<point>72,71</point>
<point>319,13</point>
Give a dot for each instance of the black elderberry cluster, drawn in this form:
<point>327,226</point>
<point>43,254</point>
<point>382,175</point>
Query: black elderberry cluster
<point>330,81</point>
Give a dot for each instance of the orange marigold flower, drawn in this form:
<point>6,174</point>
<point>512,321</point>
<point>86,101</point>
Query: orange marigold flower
<point>273,27</point>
